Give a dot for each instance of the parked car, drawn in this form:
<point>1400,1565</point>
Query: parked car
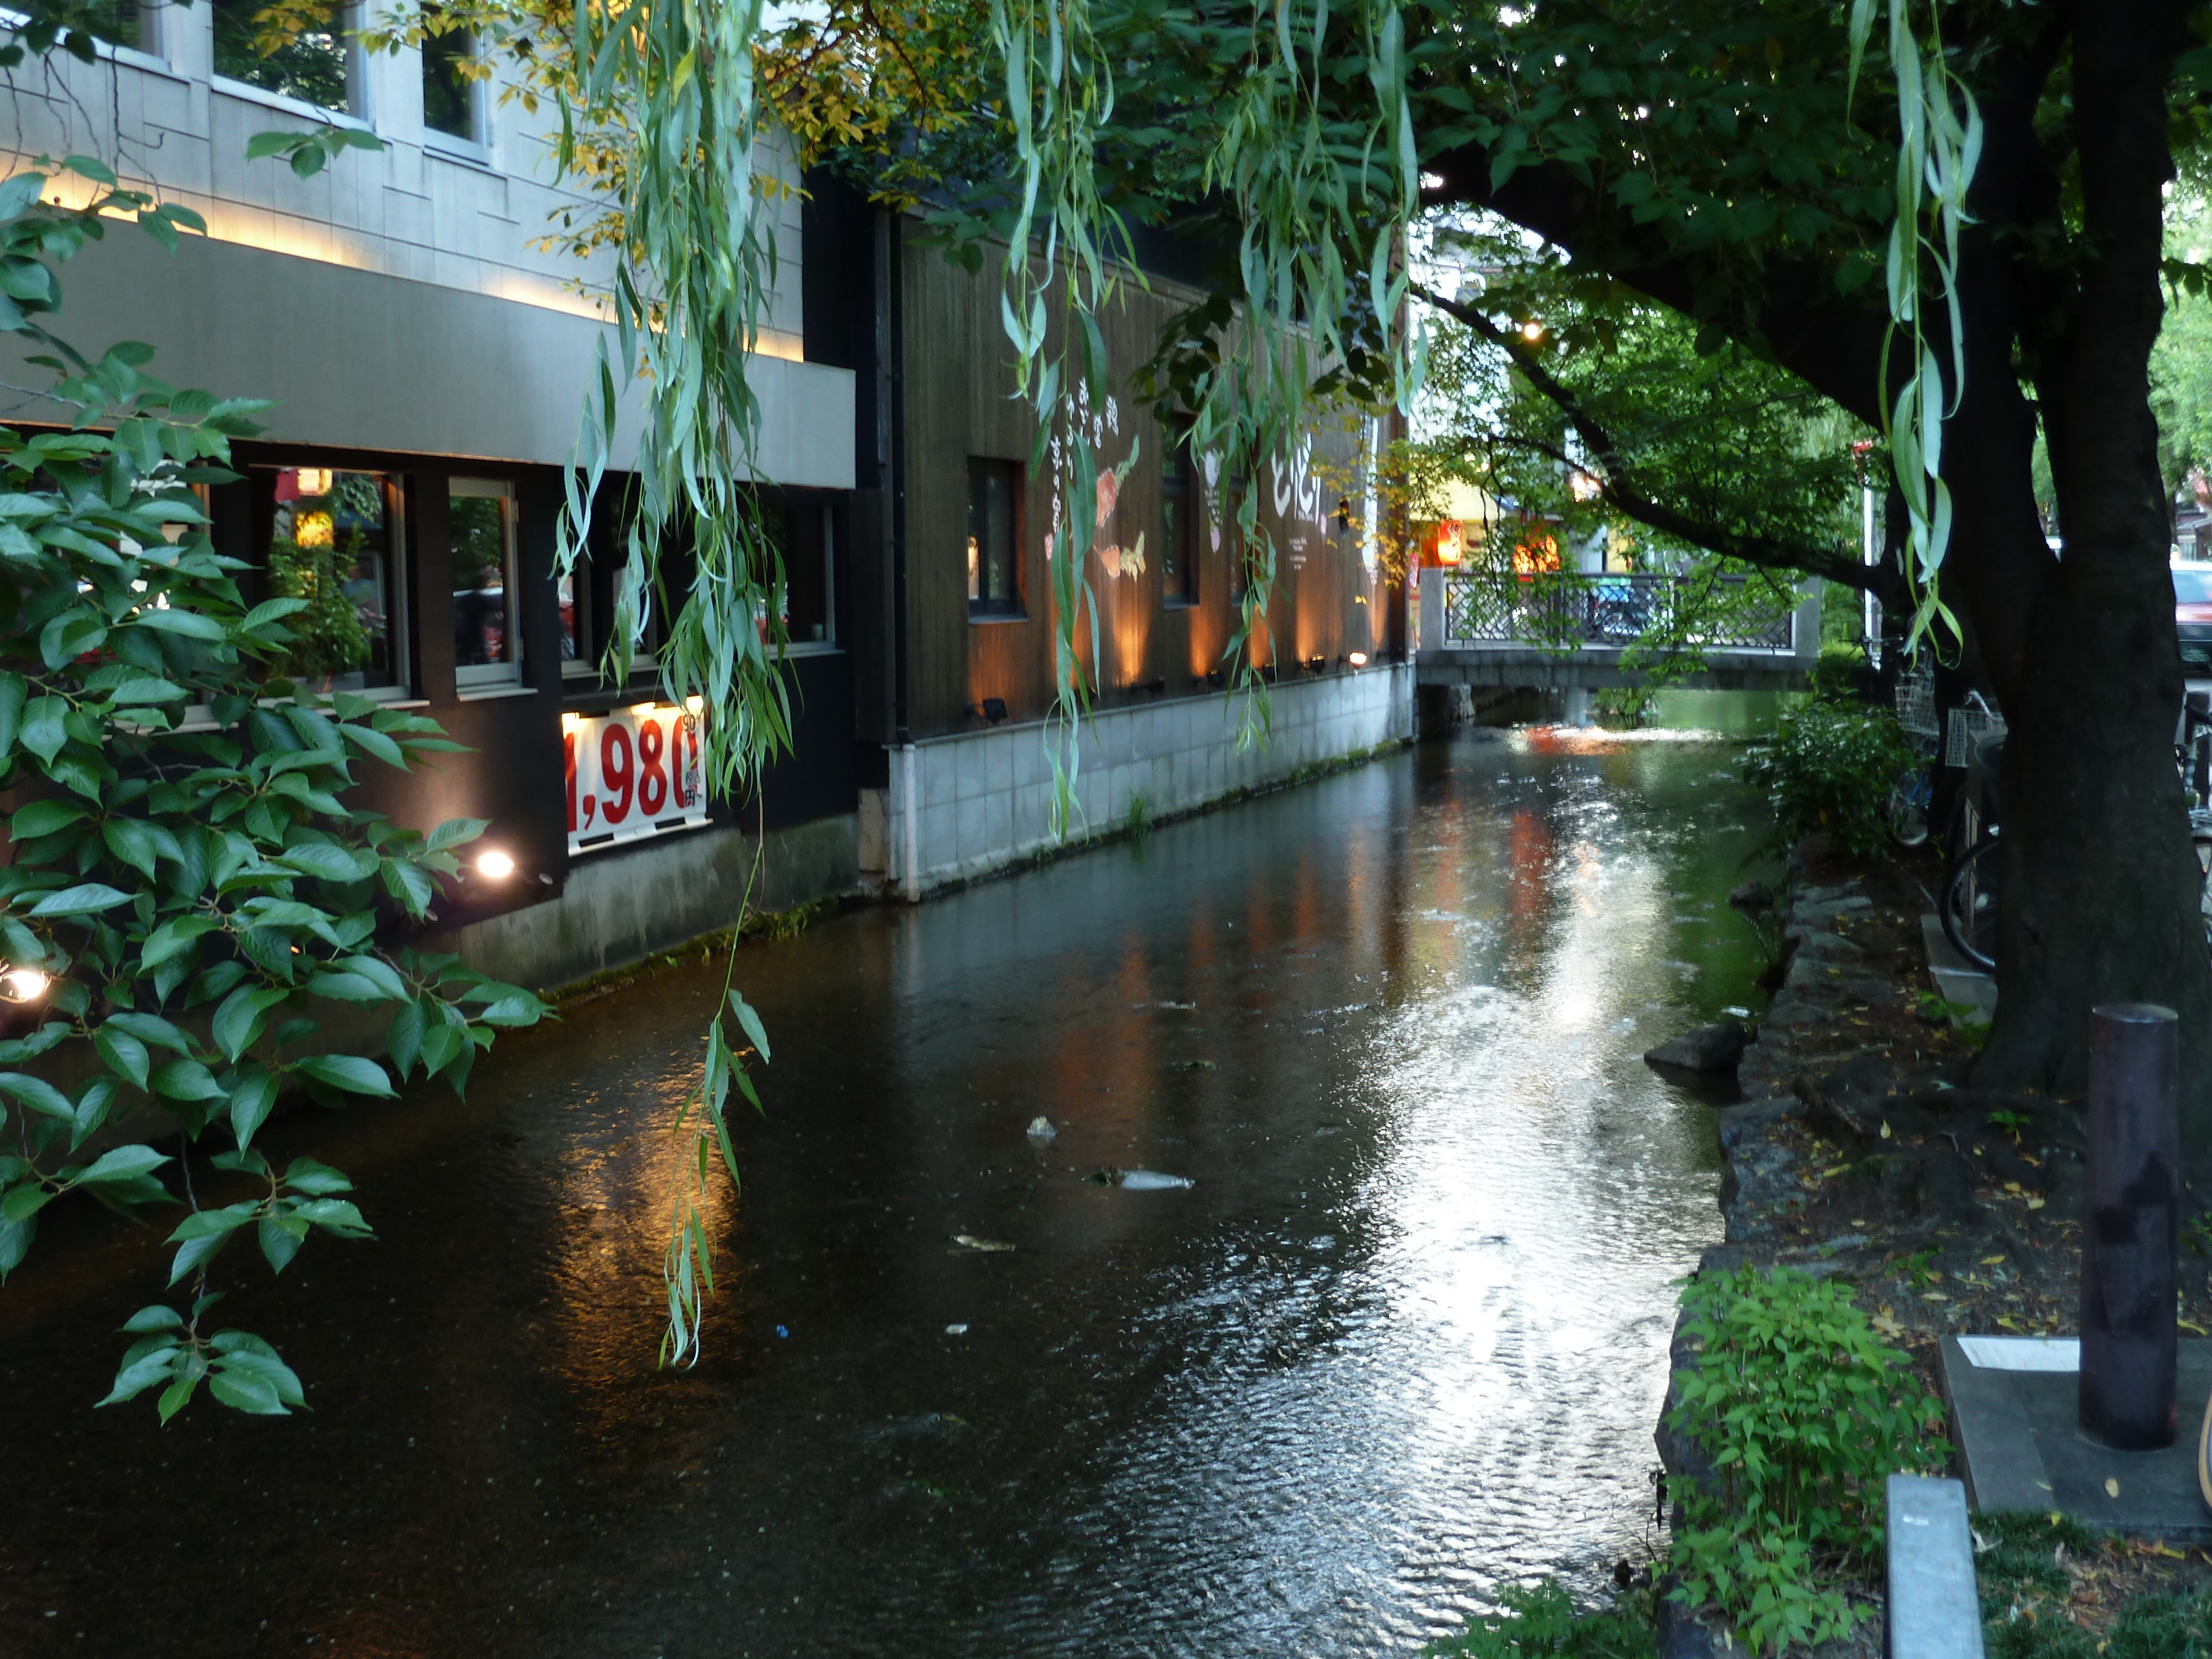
<point>2192,617</point>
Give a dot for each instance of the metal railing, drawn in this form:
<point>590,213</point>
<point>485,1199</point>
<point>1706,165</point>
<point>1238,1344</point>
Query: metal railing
<point>1569,611</point>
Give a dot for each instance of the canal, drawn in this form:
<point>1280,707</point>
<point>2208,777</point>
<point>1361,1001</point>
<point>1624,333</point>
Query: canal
<point>1403,1337</point>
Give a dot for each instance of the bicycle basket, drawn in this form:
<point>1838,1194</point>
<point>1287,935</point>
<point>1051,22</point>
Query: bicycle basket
<point>1968,727</point>
<point>1916,703</point>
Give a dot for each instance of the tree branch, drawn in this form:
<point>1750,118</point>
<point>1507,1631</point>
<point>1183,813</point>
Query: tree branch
<point>1618,485</point>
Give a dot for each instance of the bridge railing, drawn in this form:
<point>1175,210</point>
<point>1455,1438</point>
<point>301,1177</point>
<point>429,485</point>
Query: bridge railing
<point>1568,610</point>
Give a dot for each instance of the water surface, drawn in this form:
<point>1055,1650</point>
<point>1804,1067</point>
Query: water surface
<point>1402,1339</point>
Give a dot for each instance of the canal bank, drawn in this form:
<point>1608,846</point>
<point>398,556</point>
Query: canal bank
<point>1400,1344</point>
<point>1862,1156</point>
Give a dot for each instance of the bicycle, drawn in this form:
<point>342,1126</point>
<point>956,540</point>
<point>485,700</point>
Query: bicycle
<point>1972,889</point>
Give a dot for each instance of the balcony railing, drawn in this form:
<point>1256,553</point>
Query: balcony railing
<point>1568,611</point>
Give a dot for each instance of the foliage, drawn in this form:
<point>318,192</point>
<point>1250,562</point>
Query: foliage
<point>1803,1413</point>
<point>1542,1623</point>
<point>186,884</point>
<point>327,635</point>
<point>1836,669</point>
<point>2020,1564</point>
<point>1830,766</point>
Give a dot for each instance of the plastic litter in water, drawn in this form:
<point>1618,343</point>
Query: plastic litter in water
<point>1040,1128</point>
<point>1739,1013</point>
<point>969,1241</point>
<point>1150,1180</point>
<point>1622,1027</point>
<point>956,1330</point>
<point>783,1330</point>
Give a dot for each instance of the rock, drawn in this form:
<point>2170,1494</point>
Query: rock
<point>1751,895</point>
<point>1706,1049</point>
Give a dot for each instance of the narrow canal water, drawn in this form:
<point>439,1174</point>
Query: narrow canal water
<point>1403,1339</point>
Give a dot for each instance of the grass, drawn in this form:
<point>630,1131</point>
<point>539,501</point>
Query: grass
<point>1542,1623</point>
<point>2052,1589</point>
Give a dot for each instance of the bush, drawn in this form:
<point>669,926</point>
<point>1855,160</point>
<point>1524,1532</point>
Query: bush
<point>1830,766</point>
<point>1803,1412</point>
<point>1835,673</point>
<point>1542,1623</point>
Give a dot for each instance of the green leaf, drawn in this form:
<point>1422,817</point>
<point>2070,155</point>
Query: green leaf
<point>168,619</point>
<point>251,1102</point>
<point>42,732</point>
<point>156,1318</point>
<point>374,744</point>
<point>143,1373</point>
<point>38,1095</point>
<point>43,818</point>
<point>124,1163</point>
<point>281,1238</point>
<point>184,1079</point>
<point>330,863</point>
<point>305,1175</point>
<point>174,936</point>
<point>148,689</point>
<point>755,1031</point>
<point>87,898</point>
<point>402,1038</point>
<point>177,1395</point>
<point>350,1073</point>
<point>151,1028</point>
<point>238,1023</point>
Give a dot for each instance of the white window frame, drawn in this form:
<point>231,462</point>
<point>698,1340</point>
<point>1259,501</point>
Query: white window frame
<point>356,113</point>
<point>477,145</point>
<point>493,678</point>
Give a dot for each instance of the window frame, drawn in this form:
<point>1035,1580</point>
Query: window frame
<point>1013,606</point>
<point>354,113</point>
<point>404,687</point>
<point>1181,585</point>
<point>476,678</point>
<point>474,145</point>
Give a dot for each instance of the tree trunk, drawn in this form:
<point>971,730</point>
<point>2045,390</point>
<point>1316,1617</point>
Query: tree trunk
<point>2100,887</point>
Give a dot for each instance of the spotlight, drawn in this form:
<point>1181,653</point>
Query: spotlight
<point>1357,660</point>
<point>26,984</point>
<point>495,865</point>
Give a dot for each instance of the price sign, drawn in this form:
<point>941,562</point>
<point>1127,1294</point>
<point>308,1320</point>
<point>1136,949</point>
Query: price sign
<point>631,773</point>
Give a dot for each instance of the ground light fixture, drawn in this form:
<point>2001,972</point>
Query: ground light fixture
<point>1357,660</point>
<point>495,865</point>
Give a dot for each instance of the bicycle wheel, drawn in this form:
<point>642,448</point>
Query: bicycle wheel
<point>1969,910</point>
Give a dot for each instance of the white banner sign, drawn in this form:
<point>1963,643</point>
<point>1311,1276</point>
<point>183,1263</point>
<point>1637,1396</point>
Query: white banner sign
<point>632,773</point>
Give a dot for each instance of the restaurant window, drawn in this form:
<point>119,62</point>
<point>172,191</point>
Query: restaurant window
<point>1180,507</point>
<point>334,543</point>
<point>993,585</point>
<point>808,592</point>
<point>451,100</point>
<point>315,67</point>
<point>487,631</point>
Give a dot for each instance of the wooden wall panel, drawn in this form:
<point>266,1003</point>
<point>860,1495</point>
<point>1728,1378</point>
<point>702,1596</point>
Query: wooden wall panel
<point>959,382</point>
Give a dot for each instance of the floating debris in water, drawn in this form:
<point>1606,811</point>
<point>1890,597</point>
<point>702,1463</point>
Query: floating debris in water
<point>783,1330</point>
<point>1740,1014</point>
<point>1194,1065</point>
<point>1622,1026</point>
<point>956,1330</point>
<point>1040,1128</point>
<point>970,1241</point>
<point>1148,1181</point>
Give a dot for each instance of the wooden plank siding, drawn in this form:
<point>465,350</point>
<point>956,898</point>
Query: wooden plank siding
<point>958,371</point>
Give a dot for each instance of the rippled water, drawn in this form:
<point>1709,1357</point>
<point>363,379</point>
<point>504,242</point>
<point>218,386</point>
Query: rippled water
<point>1403,1339</point>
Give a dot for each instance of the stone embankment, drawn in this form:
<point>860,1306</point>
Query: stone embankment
<point>1862,1152</point>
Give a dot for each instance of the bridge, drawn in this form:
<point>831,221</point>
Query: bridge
<point>1568,630</point>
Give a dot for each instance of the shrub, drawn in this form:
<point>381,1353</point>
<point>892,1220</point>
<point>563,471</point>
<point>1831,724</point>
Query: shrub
<point>1542,1623</point>
<point>1830,766</point>
<point>1835,671</point>
<point>1802,1411</point>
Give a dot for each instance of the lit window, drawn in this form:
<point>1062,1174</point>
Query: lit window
<point>994,570</point>
<point>334,542</point>
<point>1180,507</point>
<point>487,618</point>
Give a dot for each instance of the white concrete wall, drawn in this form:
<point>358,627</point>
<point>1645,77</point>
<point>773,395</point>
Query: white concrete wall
<point>963,806</point>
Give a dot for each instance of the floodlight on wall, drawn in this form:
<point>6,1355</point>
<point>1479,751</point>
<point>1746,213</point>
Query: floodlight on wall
<point>495,865</point>
<point>1357,660</point>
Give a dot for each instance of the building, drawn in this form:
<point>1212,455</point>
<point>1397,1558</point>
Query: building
<point>429,360</point>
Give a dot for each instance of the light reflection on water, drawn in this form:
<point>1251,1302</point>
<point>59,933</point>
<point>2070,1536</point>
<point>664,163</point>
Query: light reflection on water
<point>1404,1338</point>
